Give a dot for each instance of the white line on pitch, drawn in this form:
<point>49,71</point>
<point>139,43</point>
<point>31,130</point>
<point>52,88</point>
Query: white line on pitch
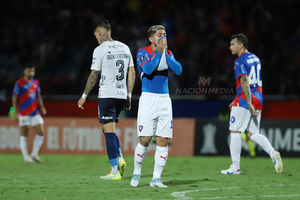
<point>181,195</point>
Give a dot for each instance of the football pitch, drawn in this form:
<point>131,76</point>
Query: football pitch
<point>77,177</point>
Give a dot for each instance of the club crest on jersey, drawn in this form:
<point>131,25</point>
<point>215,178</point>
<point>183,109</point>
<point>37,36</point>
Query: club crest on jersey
<point>141,128</point>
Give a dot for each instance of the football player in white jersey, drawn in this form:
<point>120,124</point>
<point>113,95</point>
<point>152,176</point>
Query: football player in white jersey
<point>155,107</point>
<point>113,61</point>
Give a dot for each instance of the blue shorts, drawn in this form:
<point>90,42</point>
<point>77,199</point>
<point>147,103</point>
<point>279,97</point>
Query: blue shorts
<point>109,109</point>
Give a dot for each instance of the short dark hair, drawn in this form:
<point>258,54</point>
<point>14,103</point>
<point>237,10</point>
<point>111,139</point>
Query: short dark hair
<point>152,30</point>
<point>241,38</point>
<point>28,65</point>
<point>104,24</point>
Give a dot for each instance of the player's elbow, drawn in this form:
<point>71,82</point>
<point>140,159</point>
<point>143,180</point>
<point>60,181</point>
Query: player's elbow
<point>178,70</point>
<point>147,71</point>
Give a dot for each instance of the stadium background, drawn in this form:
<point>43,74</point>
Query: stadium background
<point>58,37</point>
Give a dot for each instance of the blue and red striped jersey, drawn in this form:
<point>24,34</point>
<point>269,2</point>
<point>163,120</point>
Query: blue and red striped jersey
<point>27,92</point>
<point>248,64</point>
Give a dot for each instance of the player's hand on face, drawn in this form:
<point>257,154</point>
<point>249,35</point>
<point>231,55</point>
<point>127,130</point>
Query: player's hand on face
<point>159,46</point>
<point>80,103</point>
<point>128,104</point>
<point>166,44</point>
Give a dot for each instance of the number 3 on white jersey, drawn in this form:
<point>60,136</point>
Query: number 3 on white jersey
<point>255,78</point>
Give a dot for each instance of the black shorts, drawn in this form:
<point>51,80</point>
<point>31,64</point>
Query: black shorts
<point>109,109</point>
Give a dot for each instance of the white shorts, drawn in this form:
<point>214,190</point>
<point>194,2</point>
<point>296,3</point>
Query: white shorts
<point>155,115</point>
<point>242,120</point>
<point>30,120</point>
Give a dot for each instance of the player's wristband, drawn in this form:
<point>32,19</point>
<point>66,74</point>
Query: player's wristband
<point>84,96</point>
<point>129,95</point>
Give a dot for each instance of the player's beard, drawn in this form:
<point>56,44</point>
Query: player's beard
<point>29,78</point>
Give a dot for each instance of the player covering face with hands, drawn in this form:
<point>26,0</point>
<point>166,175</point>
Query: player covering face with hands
<point>247,106</point>
<point>155,109</point>
<point>112,60</point>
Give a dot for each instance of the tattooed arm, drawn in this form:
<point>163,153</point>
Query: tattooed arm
<point>247,93</point>
<point>89,86</point>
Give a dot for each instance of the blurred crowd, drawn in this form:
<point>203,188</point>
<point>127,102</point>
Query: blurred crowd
<point>57,35</point>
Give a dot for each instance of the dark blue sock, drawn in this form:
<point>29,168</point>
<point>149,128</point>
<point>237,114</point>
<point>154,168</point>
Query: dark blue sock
<point>118,145</point>
<point>111,148</point>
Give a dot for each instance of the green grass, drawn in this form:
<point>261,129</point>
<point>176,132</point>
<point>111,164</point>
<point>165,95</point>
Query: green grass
<point>77,177</point>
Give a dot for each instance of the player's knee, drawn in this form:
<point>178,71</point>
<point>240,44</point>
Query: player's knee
<point>161,141</point>
<point>145,140</point>
<point>41,133</point>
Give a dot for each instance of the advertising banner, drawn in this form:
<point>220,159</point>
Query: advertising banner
<point>84,136</point>
<point>212,137</point>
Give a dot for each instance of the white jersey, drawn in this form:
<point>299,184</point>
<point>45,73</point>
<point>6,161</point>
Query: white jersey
<point>112,58</point>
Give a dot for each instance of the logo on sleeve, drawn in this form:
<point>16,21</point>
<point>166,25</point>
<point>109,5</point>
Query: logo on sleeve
<point>142,58</point>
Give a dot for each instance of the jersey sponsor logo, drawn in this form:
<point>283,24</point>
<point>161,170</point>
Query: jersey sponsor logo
<point>141,128</point>
<point>232,119</point>
<point>112,46</point>
<point>119,85</point>
<point>115,46</point>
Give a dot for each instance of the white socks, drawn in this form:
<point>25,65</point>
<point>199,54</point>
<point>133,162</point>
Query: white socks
<point>23,146</point>
<point>161,156</point>
<point>139,157</point>
<point>37,143</point>
<point>263,142</point>
<point>235,149</point>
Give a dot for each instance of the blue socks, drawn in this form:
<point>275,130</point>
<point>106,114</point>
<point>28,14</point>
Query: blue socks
<point>118,146</point>
<point>112,148</point>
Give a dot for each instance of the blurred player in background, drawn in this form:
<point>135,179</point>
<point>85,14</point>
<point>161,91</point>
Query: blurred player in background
<point>155,109</point>
<point>246,108</point>
<point>113,60</point>
<point>25,100</point>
